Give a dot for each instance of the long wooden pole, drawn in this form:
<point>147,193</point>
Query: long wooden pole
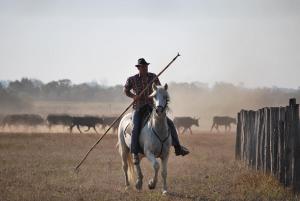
<point>117,119</point>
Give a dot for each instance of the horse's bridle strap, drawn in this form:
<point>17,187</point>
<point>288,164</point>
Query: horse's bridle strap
<point>164,107</point>
<point>162,141</point>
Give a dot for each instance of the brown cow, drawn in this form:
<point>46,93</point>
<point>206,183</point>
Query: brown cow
<point>185,123</point>
<point>222,121</point>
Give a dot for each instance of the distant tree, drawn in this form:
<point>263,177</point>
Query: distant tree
<point>11,102</point>
<point>25,87</point>
<point>64,83</point>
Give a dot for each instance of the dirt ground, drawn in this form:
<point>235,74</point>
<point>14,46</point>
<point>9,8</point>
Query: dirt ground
<point>39,166</point>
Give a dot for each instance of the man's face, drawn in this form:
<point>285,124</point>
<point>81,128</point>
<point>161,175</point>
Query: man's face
<point>143,69</point>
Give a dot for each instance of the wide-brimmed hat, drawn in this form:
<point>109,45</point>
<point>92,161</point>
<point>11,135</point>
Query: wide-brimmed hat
<point>141,61</point>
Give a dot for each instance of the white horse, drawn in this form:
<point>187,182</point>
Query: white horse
<point>154,139</point>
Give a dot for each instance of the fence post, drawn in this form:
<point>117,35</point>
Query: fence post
<point>281,149</point>
<point>252,139</point>
<point>238,138</point>
<point>259,144</point>
<point>295,129</point>
<point>289,134</point>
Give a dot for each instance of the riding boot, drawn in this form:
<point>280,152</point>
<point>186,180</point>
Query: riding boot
<point>181,150</point>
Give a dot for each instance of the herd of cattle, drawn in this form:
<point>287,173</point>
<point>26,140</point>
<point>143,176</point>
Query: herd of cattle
<point>33,120</point>
<point>64,120</point>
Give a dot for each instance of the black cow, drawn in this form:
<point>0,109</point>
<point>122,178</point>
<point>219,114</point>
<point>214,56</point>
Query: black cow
<point>107,121</point>
<point>22,119</point>
<point>186,123</point>
<point>89,121</point>
<point>59,119</point>
<point>222,121</point>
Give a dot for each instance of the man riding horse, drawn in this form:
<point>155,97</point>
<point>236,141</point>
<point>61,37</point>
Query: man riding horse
<point>143,105</point>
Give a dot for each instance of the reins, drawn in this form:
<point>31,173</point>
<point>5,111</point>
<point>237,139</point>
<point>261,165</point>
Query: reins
<point>155,133</point>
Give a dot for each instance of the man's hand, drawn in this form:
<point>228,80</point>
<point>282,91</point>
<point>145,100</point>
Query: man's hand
<point>136,98</point>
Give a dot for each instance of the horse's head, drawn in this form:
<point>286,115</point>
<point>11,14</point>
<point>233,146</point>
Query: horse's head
<point>161,98</point>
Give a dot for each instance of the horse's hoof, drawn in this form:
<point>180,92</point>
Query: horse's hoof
<point>151,184</point>
<point>126,188</point>
<point>165,192</point>
<point>138,185</point>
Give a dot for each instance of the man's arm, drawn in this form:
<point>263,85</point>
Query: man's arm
<point>127,90</point>
<point>131,95</point>
<point>128,93</point>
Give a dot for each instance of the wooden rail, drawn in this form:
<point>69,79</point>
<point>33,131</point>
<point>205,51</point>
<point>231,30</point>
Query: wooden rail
<point>268,140</point>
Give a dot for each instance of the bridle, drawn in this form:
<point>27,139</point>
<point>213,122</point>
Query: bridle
<point>162,141</point>
<point>163,107</point>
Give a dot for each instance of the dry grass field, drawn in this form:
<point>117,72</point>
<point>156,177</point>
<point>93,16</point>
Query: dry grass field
<point>39,167</point>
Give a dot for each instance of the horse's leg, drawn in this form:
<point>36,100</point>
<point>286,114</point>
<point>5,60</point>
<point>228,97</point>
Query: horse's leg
<point>184,129</point>
<point>139,181</point>
<point>124,154</point>
<point>155,165</point>
<point>164,163</point>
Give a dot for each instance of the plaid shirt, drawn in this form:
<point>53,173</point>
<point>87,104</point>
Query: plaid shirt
<point>138,83</point>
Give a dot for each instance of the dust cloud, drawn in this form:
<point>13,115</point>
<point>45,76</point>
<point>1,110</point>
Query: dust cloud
<point>187,99</point>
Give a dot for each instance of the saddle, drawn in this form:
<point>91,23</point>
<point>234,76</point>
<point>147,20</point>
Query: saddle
<point>128,128</point>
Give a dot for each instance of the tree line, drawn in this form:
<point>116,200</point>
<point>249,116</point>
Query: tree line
<point>221,98</point>
<point>60,90</point>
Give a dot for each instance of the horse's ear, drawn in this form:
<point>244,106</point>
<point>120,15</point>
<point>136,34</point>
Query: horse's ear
<point>166,86</point>
<point>154,87</point>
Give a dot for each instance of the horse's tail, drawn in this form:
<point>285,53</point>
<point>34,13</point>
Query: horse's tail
<point>125,152</point>
<point>131,171</point>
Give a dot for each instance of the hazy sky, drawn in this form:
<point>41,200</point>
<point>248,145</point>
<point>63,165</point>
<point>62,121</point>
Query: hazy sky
<point>255,42</point>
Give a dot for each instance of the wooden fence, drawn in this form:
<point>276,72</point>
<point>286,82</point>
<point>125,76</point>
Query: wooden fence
<point>268,140</point>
